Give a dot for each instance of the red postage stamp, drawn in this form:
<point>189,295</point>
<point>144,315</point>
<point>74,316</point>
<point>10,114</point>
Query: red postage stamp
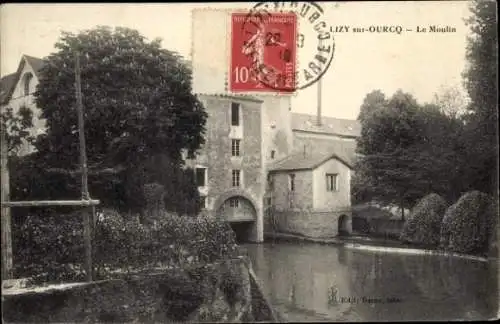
<point>263,52</point>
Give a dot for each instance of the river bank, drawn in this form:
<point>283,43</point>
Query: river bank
<point>225,292</point>
<point>372,244</point>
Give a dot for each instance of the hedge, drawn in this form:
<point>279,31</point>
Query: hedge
<point>469,225</point>
<point>423,225</point>
<point>51,248</point>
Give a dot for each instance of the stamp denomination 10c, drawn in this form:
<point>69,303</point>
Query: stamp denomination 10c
<point>263,52</point>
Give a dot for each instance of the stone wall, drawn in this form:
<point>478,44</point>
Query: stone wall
<point>337,199</point>
<point>223,293</point>
<point>300,198</point>
<point>216,155</point>
<point>277,129</point>
<point>316,224</point>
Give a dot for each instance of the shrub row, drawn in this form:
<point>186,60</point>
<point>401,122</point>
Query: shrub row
<point>468,226</point>
<point>423,226</point>
<point>51,248</point>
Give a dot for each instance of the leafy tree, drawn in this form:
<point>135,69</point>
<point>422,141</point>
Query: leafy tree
<point>17,127</point>
<point>372,102</point>
<point>393,125</point>
<point>137,99</point>
<point>408,151</point>
<point>481,83</point>
<point>387,134</point>
<point>138,103</point>
<point>179,184</point>
<point>451,101</point>
<point>440,154</point>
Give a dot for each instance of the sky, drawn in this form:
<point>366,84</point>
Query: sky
<point>418,63</point>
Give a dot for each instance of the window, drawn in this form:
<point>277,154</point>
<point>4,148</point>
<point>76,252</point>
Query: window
<point>203,202</point>
<point>235,147</point>
<point>272,154</point>
<point>235,114</point>
<point>27,82</point>
<point>234,202</point>
<point>236,178</point>
<point>201,174</point>
<point>292,182</point>
<point>270,182</point>
<point>331,182</point>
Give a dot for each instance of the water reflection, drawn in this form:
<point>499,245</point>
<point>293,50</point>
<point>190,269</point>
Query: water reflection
<point>312,282</point>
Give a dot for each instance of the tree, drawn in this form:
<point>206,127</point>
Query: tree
<point>179,184</point>
<point>372,102</point>
<point>393,125</point>
<point>441,156</point>
<point>387,135</point>
<point>451,101</point>
<point>481,83</point>
<point>137,99</point>
<point>17,127</point>
<point>138,103</point>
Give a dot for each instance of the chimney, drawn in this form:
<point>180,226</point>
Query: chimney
<point>318,121</point>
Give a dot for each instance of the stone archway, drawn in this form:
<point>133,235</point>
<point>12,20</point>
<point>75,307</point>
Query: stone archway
<point>344,225</point>
<point>233,193</point>
<point>241,214</point>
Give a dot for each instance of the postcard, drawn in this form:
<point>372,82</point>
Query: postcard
<point>250,161</point>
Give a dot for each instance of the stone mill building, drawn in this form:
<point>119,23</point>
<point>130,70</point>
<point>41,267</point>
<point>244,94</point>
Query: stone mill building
<point>264,168</point>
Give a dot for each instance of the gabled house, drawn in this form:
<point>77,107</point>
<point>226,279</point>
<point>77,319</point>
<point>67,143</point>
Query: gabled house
<point>309,191</point>
<point>17,91</point>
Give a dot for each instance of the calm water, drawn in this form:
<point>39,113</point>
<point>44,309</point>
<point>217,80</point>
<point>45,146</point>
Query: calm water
<point>312,282</point>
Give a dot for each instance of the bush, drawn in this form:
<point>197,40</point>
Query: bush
<point>469,225</point>
<point>423,226</point>
<point>51,248</point>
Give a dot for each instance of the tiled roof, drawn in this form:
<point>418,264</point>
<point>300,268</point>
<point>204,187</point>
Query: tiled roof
<point>329,125</point>
<point>36,63</point>
<point>307,161</point>
<point>9,81</point>
<point>235,97</point>
<point>346,149</point>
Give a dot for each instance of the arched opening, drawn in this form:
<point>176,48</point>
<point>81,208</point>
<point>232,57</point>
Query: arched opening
<point>240,213</point>
<point>242,231</point>
<point>343,225</point>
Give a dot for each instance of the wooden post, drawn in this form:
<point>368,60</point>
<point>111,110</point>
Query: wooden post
<point>6,217</point>
<point>81,130</point>
<point>87,230</point>
<point>87,241</point>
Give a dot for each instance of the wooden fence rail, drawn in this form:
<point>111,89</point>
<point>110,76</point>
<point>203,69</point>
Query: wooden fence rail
<point>44,203</point>
<point>87,229</point>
